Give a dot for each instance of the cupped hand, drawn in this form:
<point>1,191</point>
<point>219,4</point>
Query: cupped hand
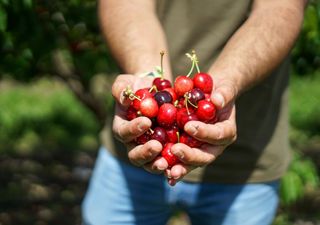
<point>215,136</point>
<point>127,131</point>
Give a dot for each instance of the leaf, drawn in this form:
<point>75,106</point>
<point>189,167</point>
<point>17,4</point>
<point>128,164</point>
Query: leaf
<point>291,188</point>
<point>27,4</point>
<point>3,19</point>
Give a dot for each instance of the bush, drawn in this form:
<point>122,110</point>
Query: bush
<point>44,115</point>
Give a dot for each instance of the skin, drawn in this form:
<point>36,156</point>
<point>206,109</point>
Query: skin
<point>255,49</point>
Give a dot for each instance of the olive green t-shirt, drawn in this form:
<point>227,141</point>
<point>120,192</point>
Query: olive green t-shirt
<point>261,151</point>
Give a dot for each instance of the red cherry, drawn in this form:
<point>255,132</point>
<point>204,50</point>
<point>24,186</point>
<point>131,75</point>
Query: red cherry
<point>169,157</point>
<point>172,134</point>
<point>131,113</point>
<point>161,83</point>
<point>184,116</point>
<point>141,94</point>
<point>190,141</point>
<point>203,81</point>
<point>172,93</point>
<point>167,115</point>
<point>160,135</point>
<point>207,97</point>
<point>182,85</point>
<point>206,110</point>
<point>149,107</point>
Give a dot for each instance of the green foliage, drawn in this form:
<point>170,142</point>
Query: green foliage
<point>306,58</point>
<point>31,31</point>
<point>44,115</point>
<point>301,177</point>
<point>305,104</point>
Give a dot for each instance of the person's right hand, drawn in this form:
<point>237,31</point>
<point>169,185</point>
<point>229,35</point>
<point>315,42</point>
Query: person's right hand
<point>126,131</point>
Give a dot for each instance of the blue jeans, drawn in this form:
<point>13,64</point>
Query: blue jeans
<point>126,195</point>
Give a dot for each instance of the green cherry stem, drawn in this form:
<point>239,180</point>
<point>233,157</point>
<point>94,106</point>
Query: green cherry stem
<point>161,64</point>
<point>194,60</point>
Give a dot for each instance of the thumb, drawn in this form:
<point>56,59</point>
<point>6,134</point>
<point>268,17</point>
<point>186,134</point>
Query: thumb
<point>119,86</point>
<point>224,93</point>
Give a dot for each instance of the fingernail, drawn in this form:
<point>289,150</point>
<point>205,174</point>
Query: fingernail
<point>178,153</point>
<point>141,127</point>
<point>218,99</point>
<point>161,167</point>
<point>192,129</point>
<point>122,97</point>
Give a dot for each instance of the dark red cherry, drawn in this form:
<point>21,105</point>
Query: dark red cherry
<point>160,135</point>
<point>161,83</point>
<point>184,116</point>
<point>131,113</point>
<point>182,85</point>
<point>172,93</point>
<point>206,110</point>
<point>163,97</point>
<point>144,138</point>
<point>190,141</point>
<point>203,81</point>
<point>195,95</point>
<point>169,157</point>
<point>167,115</point>
<point>172,134</point>
<point>149,107</point>
<point>141,94</point>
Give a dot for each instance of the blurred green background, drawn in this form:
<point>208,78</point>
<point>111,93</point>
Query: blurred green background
<point>55,73</point>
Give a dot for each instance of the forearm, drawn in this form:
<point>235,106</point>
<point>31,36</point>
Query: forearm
<point>261,43</point>
<point>134,34</point>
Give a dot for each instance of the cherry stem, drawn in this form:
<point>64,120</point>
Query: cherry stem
<point>178,136</point>
<point>186,105</point>
<point>193,57</point>
<point>161,64</point>
<point>129,93</point>
<point>187,100</point>
<point>154,87</point>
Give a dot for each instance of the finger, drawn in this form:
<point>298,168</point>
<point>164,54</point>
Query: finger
<point>195,156</point>
<point>126,131</point>
<point>224,93</point>
<point>142,154</point>
<point>220,133</point>
<point>159,165</point>
<point>177,173</point>
<point>119,86</point>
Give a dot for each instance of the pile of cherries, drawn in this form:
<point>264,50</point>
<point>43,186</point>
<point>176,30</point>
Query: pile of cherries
<point>170,107</point>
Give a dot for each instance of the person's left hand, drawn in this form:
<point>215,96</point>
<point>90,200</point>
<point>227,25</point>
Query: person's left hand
<point>216,136</point>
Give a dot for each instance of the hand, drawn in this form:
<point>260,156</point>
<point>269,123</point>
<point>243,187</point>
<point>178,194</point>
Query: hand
<point>216,136</point>
<point>126,131</point>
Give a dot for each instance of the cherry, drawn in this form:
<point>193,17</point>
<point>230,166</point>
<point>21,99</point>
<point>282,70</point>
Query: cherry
<point>184,115</point>
<point>161,83</point>
<point>160,135</point>
<point>172,93</point>
<point>167,115</point>
<point>144,138</point>
<point>132,113</point>
<point>172,134</point>
<point>163,97</point>
<point>149,107</point>
<point>190,141</point>
<point>169,157</point>
<point>203,81</point>
<point>195,95</point>
<point>140,95</point>
<point>182,85</point>
<point>206,110</point>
